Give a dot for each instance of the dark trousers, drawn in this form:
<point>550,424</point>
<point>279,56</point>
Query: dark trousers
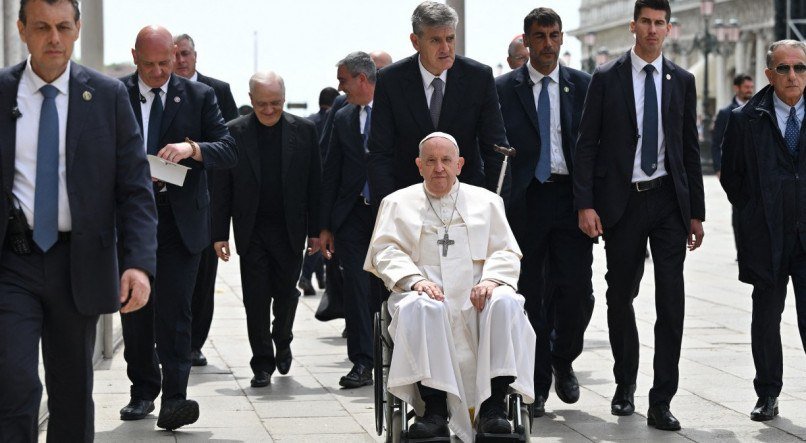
<point>269,270</point>
<point>164,320</point>
<point>555,278</point>
<point>36,301</point>
<point>653,215</point>
<point>201,307</point>
<point>352,243</point>
<point>314,264</point>
<point>765,329</point>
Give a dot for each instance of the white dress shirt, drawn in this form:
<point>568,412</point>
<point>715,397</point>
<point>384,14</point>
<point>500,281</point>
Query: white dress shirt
<point>558,165</point>
<point>29,103</point>
<point>782,113</point>
<point>145,106</point>
<point>638,79</point>
<point>428,78</point>
<point>195,78</point>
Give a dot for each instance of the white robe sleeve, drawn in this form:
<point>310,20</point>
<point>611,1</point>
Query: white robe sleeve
<point>390,248</point>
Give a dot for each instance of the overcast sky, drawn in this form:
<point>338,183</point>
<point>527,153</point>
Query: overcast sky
<point>303,39</point>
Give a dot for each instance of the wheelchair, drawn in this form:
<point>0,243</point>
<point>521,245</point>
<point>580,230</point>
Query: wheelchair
<point>392,415</point>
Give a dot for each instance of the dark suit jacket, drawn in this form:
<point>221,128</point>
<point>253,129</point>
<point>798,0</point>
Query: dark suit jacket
<point>345,170</point>
<point>237,190</point>
<point>191,111</point>
<point>223,94</point>
<point>719,130</point>
<point>755,170</point>
<point>327,128</point>
<point>608,138</point>
<point>400,119</point>
<point>520,118</point>
<point>107,177</point>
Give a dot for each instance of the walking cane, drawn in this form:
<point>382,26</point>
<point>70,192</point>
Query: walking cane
<point>507,153</point>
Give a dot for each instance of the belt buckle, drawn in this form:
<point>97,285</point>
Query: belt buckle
<point>366,202</point>
<point>639,188</point>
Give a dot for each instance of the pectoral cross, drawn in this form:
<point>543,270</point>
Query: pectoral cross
<point>445,242</point>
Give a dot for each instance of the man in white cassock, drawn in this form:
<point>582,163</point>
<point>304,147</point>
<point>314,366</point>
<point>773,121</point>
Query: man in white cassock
<point>461,336</point>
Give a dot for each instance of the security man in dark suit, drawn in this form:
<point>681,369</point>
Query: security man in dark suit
<point>272,198</point>
<point>204,289</point>
<point>743,87</point>
<point>72,161</point>
<point>541,103</point>
<point>182,124</point>
<point>434,90</point>
<point>345,213</point>
<point>760,173</point>
<point>637,167</point>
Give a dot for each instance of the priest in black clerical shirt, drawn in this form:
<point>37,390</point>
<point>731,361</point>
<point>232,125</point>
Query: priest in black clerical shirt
<point>272,198</point>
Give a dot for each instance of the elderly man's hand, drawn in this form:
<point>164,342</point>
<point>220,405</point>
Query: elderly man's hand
<point>431,289</point>
<point>481,293</point>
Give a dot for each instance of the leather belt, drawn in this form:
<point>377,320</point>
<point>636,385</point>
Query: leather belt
<point>649,184</point>
<point>559,178</point>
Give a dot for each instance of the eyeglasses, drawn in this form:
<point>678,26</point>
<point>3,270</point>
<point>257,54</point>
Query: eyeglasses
<point>784,69</point>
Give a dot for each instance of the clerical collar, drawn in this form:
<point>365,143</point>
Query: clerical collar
<point>454,190</point>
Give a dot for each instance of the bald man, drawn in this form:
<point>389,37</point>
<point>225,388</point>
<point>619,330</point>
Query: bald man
<point>517,53</point>
<point>272,199</point>
<point>181,123</point>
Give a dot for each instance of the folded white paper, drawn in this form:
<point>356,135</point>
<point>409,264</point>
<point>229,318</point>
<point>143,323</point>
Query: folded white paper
<point>166,171</point>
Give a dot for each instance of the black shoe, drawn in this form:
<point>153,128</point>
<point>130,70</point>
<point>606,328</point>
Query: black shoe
<point>661,418</point>
<point>344,333</point>
<point>623,402</point>
<point>539,406</point>
<point>429,426</point>
<point>306,286</point>
<point>566,385</point>
<point>261,379</point>
<point>136,409</point>
<point>492,419</point>
<point>320,280</point>
<point>283,360</point>
<point>197,358</point>
<point>359,376</point>
<point>177,413</point>
<point>766,409</point>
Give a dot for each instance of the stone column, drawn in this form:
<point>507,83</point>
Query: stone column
<point>92,34</point>
<point>13,48</point>
<point>459,6</point>
<point>761,59</point>
<point>720,74</point>
<point>739,57</point>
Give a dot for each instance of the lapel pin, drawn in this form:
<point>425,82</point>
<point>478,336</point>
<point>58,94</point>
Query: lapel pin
<point>565,89</point>
<point>87,96</point>
<point>668,76</point>
<point>177,99</point>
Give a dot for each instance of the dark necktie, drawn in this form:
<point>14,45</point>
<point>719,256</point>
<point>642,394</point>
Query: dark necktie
<point>649,143</point>
<point>435,107</point>
<point>367,126</point>
<point>792,132</point>
<point>154,123</point>
<point>46,195</point>
<point>543,170</point>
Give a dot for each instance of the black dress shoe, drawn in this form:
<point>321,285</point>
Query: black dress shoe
<point>429,426</point>
<point>493,420</point>
<point>623,402</point>
<point>261,379</point>
<point>306,286</point>
<point>320,280</point>
<point>661,418</point>
<point>344,333</point>
<point>766,409</point>
<point>136,409</point>
<point>566,385</point>
<point>539,406</point>
<point>359,376</point>
<point>177,413</point>
<point>197,358</point>
<point>283,360</point>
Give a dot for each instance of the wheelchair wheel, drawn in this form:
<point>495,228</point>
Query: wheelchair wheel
<point>377,372</point>
<point>395,432</point>
<point>526,422</point>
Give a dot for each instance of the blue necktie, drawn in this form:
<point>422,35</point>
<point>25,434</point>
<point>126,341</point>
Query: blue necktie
<point>792,132</point>
<point>365,191</point>
<point>46,196</point>
<point>543,170</point>
<point>649,143</point>
<point>154,123</point>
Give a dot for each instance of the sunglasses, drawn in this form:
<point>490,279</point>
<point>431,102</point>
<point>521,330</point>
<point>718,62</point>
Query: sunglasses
<point>784,69</point>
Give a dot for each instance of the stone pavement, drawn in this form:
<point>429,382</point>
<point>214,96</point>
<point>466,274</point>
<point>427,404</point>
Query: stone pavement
<point>713,403</point>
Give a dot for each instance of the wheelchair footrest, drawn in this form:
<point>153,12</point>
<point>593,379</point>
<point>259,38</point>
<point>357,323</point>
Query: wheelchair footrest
<point>426,440</point>
<point>500,438</point>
